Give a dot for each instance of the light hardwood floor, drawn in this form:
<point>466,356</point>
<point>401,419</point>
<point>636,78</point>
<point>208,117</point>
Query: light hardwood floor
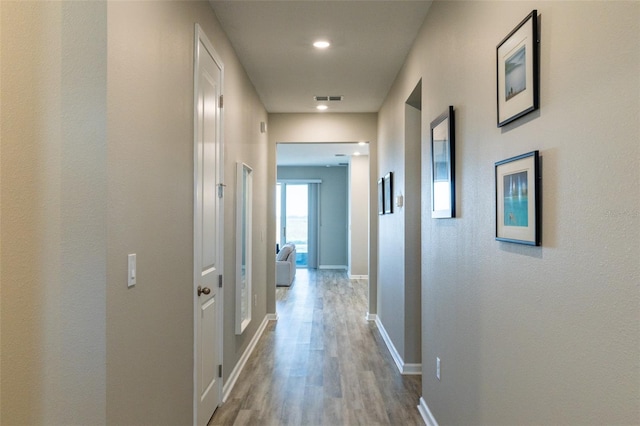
<point>321,363</point>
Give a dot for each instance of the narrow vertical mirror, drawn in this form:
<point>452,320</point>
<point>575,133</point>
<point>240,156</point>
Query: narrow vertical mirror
<point>243,246</point>
<point>443,193</point>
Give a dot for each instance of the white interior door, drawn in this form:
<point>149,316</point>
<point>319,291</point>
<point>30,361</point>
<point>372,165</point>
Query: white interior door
<point>208,240</point>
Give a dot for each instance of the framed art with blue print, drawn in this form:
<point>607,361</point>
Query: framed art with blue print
<point>518,216</point>
<point>518,74</point>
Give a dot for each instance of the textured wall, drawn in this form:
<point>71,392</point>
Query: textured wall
<point>399,232</point>
<point>150,119</point>
<point>150,327</point>
<point>243,112</point>
<point>97,162</point>
<point>53,227</point>
<point>533,335</point>
<point>412,211</point>
<point>359,189</point>
<point>391,231</point>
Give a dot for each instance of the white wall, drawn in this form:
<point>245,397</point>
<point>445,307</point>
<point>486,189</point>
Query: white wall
<point>359,188</point>
<point>532,335</point>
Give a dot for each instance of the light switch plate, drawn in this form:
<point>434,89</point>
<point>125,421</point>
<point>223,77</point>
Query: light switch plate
<point>131,270</point>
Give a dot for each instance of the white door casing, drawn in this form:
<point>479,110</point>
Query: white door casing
<point>208,228</point>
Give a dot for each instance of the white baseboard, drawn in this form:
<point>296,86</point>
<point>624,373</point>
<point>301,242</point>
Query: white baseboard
<point>412,369</point>
<point>272,317</point>
<point>426,414</point>
<point>371,317</point>
<point>233,377</point>
<point>358,277</point>
<point>405,369</point>
<point>339,267</point>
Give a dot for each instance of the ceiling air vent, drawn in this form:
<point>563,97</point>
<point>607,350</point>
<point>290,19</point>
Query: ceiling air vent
<point>328,98</point>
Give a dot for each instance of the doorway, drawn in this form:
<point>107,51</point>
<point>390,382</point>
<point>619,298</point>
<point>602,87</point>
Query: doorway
<point>328,170</point>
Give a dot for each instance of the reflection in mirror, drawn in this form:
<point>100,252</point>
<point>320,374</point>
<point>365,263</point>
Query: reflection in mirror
<point>441,176</point>
<point>443,166</point>
<point>243,246</point>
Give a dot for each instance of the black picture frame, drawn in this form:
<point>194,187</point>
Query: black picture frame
<point>517,71</point>
<point>381,196</point>
<point>518,215</point>
<point>443,188</point>
<point>388,193</point>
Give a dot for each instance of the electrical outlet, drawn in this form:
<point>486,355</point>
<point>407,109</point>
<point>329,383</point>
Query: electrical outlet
<point>438,368</point>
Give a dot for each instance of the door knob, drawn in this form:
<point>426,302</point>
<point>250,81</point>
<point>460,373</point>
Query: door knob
<point>205,290</point>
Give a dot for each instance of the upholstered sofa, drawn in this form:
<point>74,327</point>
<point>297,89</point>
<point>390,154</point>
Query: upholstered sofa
<point>286,265</point>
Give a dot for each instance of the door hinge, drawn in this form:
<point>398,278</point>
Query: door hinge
<point>220,370</point>
<point>220,281</point>
<point>221,189</point>
<point>221,102</point>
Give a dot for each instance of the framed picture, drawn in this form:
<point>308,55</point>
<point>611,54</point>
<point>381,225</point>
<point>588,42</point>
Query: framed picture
<point>518,199</point>
<point>443,192</point>
<point>517,71</point>
<point>388,193</point>
<point>381,196</point>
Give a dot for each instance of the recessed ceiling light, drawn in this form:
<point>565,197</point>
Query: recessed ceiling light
<point>362,143</point>
<point>356,153</point>
<point>321,44</point>
<point>322,107</point>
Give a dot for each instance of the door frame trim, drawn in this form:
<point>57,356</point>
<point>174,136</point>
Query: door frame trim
<point>201,37</point>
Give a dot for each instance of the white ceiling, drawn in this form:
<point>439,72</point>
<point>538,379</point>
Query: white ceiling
<point>273,40</point>
<point>318,154</point>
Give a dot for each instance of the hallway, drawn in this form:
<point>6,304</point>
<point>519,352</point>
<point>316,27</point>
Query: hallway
<point>321,363</point>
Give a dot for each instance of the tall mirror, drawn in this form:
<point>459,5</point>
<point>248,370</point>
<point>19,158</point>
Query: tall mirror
<point>243,246</point>
<point>443,190</point>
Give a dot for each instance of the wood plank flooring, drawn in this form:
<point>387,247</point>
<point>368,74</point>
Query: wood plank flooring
<point>321,363</point>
